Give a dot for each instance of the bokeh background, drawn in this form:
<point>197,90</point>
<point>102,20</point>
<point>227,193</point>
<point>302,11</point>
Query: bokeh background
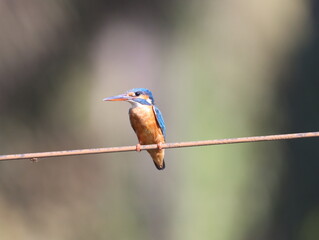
<point>217,69</point>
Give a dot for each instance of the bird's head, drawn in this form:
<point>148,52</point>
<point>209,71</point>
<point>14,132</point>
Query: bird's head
<point>135,96</point>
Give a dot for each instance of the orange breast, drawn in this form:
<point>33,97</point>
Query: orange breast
<point>143,121</point>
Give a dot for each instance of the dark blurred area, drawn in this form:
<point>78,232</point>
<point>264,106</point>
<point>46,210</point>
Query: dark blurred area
<point>296,211</point>
<point>216,69</point>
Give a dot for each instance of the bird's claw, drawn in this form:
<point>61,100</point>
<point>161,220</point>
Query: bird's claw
<point>159,146</point>
<point>138,147</point>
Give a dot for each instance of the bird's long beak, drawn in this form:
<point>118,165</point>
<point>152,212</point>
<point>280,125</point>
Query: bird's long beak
<point>121,97</point>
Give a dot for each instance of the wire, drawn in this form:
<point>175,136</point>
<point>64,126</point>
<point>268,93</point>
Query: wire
<point>35,156</point>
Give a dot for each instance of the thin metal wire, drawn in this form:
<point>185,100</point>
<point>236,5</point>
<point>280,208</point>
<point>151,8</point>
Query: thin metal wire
<point>35,156</point>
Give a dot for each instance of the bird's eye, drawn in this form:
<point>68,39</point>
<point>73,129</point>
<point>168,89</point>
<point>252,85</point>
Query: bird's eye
<point>138,94</point>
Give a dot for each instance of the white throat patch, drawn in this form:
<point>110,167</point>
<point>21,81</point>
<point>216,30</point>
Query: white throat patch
<point>149,101</point>
<point>135,104</point>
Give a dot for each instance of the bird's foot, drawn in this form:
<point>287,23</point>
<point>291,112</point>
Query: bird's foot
<point>159,146</point>
<point>138,147</point>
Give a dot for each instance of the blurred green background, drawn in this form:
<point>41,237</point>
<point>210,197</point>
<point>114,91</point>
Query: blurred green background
<point>217,69</point>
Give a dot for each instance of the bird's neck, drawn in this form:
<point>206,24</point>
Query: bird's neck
<point>135,104</point>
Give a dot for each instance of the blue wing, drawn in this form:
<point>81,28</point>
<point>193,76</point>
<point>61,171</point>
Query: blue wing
<point>160,120</point>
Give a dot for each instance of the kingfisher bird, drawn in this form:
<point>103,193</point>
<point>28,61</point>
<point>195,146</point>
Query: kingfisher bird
<point>146,120</point>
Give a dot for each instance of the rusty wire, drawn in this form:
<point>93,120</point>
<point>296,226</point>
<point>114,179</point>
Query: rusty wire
<point>36,156</point>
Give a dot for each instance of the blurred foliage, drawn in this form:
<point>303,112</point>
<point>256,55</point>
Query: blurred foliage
<point>217,69</point>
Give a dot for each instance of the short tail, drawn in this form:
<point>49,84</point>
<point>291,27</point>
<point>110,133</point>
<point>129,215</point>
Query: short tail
<point>158,158</point>
<point>160,167</point>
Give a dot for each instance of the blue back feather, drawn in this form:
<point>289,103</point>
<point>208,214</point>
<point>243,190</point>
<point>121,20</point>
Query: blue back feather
<point>160,120</point>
